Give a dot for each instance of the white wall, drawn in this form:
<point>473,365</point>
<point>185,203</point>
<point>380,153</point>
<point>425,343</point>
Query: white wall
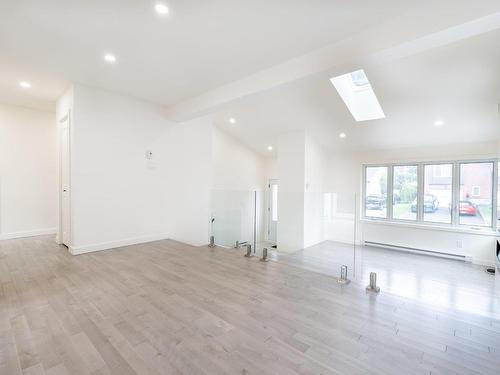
<point>345,178</point>
<point>271,169</point>
<point>28,172</point>
<point>238,172</point>
<point>291,176</point>
<point>235,166</point>
<point>119,197</point>
<point>115,192</point>
<point>315,171</point>
<point>187,155</point>
<point>475,247</point>
<point>301,170</point>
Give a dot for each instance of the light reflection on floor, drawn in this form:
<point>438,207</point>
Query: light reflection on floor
<point>439,282</point>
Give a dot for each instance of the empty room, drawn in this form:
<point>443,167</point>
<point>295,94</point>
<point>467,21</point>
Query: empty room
<point>249,187</point>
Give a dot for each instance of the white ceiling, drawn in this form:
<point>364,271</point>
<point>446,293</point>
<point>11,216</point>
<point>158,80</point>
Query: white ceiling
<point>200,45</point>
<point>204,46</point>
<point>458,83</point>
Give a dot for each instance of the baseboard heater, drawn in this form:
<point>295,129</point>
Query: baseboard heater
<point>418,251</point>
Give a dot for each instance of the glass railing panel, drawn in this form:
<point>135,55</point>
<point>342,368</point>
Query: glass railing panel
<point>232,216</point>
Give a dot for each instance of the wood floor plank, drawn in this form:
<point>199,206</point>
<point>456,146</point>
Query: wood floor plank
<point>170,308</point>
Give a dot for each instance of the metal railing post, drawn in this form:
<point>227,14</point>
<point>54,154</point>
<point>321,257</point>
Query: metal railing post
<point>343,276</point>
<point>248,254</point>
<point>264,255</point>
<point>372,287</point>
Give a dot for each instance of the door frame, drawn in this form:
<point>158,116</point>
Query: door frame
<point>269,208</point>
<point>64,122</point>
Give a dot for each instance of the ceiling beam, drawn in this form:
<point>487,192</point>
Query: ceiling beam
<point>383,44</point>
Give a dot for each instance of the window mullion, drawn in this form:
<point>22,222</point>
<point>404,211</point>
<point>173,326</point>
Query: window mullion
<point>363,194</point>
<point>494,213</point>
<point>455,194</point>
<point>420,193</point>
<point>390,186</point>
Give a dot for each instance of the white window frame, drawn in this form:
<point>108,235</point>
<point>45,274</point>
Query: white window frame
<point>455,220</point>
<point>452,202</point>
<point>387,205</point>
<point>494,187</point>
<point>392,166</point>
<point>274,206</point>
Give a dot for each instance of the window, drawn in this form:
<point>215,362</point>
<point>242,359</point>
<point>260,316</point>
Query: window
<point>376,192</point>
<point>359,78</point>
<point>357,93</point>
<point>441,170</point>
<point>458,193</point>
<point>404,192</point>
<point>476,194</point>
<point>438,185</point>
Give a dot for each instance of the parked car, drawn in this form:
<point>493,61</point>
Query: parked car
<point>375,202</point>
<point>467,208</point>
<point>431,204</point>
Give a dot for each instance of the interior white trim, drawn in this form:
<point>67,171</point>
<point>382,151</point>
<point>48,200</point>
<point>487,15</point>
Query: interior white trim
<point>28,233</point>
<point>77,250</point>
<point>65,121</point>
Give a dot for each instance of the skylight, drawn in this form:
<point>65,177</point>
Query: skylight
<point>358,95</point>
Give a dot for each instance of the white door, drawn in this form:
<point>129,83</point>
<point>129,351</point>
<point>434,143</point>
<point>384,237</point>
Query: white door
<point>65,181</point>
<point>273,210</point>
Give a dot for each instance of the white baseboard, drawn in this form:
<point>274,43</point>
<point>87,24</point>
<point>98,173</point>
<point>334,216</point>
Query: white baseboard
<point>77,250</point>
<point>28,233</point>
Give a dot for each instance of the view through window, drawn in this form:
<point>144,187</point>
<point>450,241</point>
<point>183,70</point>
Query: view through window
<point>476,193</point>
<point>453,193</point>
<point>404,192</point>
<point>376,192</point>
<point>438,184</point>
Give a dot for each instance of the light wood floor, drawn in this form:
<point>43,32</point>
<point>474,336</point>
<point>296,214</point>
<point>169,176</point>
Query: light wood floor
<point>168,308</point>
<point>450,284</point>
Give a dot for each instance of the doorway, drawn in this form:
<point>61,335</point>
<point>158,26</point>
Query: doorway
<point>64,182</point>
<point>272,211</point>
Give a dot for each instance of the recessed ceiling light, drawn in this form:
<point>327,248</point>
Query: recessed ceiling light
<point>270,148</point>
<point>161,8</point>
<point>110,58</point>
<point>438,123</point>
<point>232,120</point>
<point>342,135</point>
<point>25,84</point>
